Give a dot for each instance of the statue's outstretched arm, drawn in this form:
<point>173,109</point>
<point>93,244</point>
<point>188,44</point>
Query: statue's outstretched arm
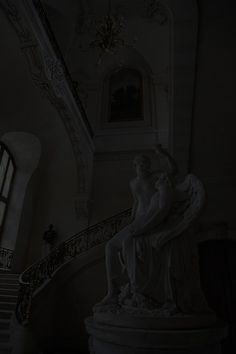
<point>170,164</point>
<point>157,212</point>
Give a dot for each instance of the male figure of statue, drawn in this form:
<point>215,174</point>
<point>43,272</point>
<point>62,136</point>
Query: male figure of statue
<point>153,197</point>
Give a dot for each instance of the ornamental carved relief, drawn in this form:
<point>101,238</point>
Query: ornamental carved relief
<point>47,73</point>
<point>55,73</point>
<point>156,12</point>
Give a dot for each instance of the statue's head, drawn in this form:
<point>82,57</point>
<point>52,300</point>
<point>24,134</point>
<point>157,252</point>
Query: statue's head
<point>142,164</point>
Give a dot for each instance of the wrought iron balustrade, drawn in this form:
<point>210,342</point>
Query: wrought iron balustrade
<point>42,271</point>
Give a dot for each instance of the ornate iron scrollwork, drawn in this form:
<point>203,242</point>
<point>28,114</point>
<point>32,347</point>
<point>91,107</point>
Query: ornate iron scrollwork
<point>36,275</point>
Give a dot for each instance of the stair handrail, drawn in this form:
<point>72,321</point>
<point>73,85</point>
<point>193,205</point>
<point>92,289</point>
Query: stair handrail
<point>42,271</point>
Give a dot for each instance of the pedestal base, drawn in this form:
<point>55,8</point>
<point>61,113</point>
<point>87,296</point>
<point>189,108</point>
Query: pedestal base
<point>107,339</point>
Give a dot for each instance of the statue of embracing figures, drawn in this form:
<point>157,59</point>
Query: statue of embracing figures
<point>152,263</point>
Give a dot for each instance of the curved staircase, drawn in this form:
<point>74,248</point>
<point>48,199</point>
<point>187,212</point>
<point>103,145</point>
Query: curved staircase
<point>38,275</point>
<point>41,291</point>
<point>37,283</point>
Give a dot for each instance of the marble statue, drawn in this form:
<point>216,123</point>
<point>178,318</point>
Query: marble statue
<point>154,302</point>
<point>152,263</point>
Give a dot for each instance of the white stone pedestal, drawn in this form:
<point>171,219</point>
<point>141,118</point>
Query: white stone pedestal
<point>107,339</point>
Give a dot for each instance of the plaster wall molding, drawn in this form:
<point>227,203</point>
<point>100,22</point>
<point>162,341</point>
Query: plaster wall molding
<point>55,74</point>
<point>50,75</point>
<point>183,18</point>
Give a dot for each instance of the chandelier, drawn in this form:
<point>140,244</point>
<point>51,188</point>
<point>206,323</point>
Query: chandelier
<point>108,33</point>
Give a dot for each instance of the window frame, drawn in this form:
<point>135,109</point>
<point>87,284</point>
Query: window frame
<point>3,199</point>
<point>138,75</point>
<point>105,125</point>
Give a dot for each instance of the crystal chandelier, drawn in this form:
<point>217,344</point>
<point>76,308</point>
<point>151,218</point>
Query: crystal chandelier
<point>108,31</point>
<point>108,34</point>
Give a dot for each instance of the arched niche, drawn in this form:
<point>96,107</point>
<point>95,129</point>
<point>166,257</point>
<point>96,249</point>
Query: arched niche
<point>125,96</point>
<point>26,150</point>
<point>172,120</point>
<point>144,76</point>
<point>131,134</point>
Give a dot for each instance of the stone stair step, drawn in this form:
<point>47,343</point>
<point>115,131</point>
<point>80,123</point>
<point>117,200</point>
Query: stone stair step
<point>4,336</point>
<point>8,298</point>
<point>5,314</point>
<point>9,280</point>
<point>7,305</point>
<point>13,286</point>
<point>5,348</point>
<point>6,291</point>
<point>9,287</point>
<point>5,324</point>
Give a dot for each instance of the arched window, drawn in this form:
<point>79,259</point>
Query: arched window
<point>7,171</point>
<point>126,99</point>
<point>125,96</point>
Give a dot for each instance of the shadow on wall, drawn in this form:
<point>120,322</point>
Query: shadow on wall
<point>218,275</point>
